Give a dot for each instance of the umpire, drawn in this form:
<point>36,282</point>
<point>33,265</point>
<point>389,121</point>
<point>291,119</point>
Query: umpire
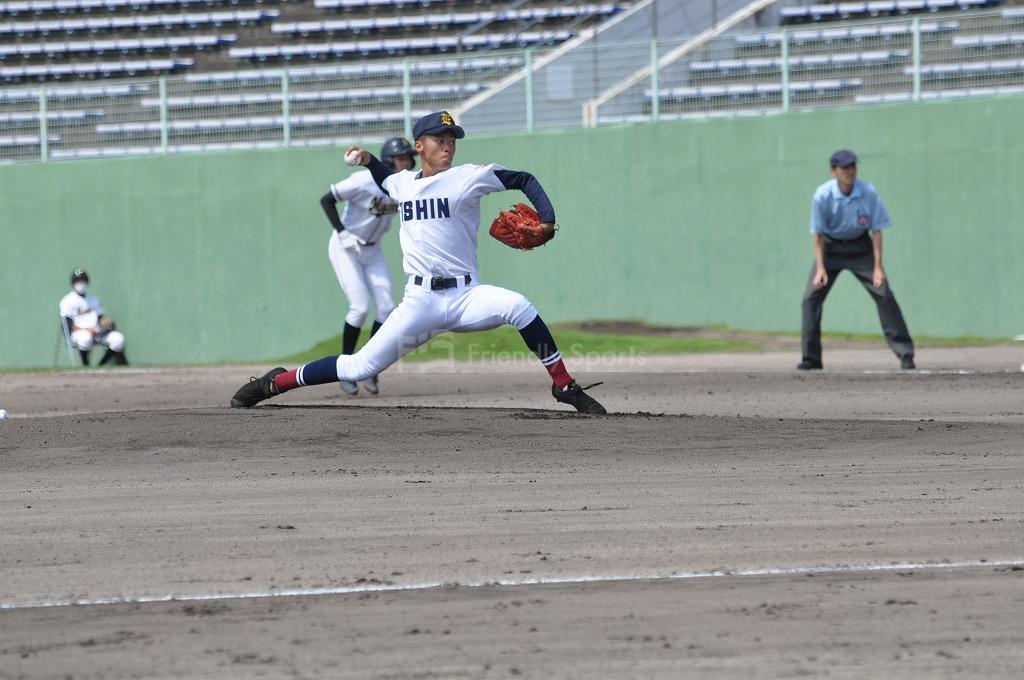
<point>847,218</point>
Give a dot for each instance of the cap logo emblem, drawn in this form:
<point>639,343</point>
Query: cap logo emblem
<point>446,118</point>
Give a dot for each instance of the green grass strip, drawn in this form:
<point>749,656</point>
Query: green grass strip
<point>506,343</point>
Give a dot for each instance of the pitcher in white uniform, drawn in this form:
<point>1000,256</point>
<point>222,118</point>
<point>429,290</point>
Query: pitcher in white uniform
<point>86,322</point>
<point>440,212</point>
<point>354,248</point>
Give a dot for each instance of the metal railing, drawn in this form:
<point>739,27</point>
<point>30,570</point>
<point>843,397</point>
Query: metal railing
<point>913,58</point>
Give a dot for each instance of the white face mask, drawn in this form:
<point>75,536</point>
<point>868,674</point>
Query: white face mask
<point>79,287</point>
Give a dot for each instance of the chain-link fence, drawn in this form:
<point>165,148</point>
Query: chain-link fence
<point>912,58</point>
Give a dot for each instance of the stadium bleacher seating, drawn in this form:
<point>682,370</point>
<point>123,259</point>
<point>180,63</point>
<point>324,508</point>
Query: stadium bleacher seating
<point>124,46</point>
<point>739,90</point>
<point>143,22</point>
<point>832,35</point>
<point>26,140</point>
<point>959,93</point>
<point>104,69</point>
<point>246,122</point>
<point>453,67</point>
<point>330,69</point>
<point>39,7</point>
<point>33,118</point>
<point>420,20</point>
<point>843,60</point>
<point>397,45</point>
<point>374,4</point>
<point>349,95</point>
<point>799,63</point>
<point>873,9</point>
<point>264,31</point>
<point>988,41</point>
<point>31,94</point>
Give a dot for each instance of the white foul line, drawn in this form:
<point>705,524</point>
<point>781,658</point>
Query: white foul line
<point>541,580</point>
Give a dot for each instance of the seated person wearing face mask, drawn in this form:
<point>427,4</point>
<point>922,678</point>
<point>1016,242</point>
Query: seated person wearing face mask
<point>87,322</point>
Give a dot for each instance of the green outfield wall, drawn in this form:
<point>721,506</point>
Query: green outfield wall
<point>223,257</point>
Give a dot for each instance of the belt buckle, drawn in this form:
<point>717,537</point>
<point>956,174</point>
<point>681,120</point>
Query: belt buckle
<point>437,283</point>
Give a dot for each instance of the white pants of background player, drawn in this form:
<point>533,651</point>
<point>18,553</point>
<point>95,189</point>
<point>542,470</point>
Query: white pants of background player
<point>84,340</point>
<point>425,313</point>
<point>362,274</point>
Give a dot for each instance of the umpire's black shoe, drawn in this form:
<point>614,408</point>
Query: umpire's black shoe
<point>256,390</point>
<point>808,365</point>
<point>578,399</point>
<point>907,363</point>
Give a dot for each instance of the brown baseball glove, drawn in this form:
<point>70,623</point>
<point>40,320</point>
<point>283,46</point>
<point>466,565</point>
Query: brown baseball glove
<point>520,228</point>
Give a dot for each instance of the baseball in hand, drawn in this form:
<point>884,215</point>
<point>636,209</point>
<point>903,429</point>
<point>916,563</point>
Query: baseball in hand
<point>353,157</point>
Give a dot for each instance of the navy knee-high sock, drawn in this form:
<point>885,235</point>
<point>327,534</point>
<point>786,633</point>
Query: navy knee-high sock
<point>319,372</point>
<point>375,328</point>
<point>349,338</point>
<point>538,338</point>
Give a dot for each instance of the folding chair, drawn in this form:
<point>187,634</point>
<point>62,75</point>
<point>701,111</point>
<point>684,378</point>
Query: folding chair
<point>67,343</point>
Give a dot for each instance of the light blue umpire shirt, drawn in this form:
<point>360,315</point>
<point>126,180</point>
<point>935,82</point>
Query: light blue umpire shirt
<point>847,217</point>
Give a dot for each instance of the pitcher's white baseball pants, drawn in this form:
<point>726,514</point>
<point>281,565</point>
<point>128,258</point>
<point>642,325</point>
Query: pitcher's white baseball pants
<point>425,313</point>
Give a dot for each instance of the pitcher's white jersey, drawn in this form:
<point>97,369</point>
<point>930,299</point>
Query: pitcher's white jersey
<point>441,216</point>
<point>368,210</point>
<point>83,310</point>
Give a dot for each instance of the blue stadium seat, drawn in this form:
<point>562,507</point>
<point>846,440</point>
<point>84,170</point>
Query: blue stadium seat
<point>124,46</point>
<point>856,33</point>
<point>988,41</point>
<point>142,22</point>
<point>962,93</point>
<point>9,73</point>
<point>438,20</point>
<point>396,45</point>
<point>972,68</point>
<point>26,140</point>
<point>741,90</point>
<point>727,67</point>
<point>67,116</point>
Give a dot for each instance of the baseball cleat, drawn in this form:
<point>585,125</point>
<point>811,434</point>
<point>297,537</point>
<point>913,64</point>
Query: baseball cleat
<point>574,395</point>
<point>349,387</point>
<point>907,363</point>
<point>371,385</point>
<point>808,365</point>
<point>256,390</point>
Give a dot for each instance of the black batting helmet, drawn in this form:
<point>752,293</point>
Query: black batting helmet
<point>396,146</point>
<point>79,274</point>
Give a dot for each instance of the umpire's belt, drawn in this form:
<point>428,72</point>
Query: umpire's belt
<point>440,282</point>
<point>848,246</point>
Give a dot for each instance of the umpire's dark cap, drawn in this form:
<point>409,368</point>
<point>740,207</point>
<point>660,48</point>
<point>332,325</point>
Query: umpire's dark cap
<point>843,158</point>
<point>435,124</point>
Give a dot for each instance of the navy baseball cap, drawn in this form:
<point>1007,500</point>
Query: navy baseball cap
<point>436,123</point>
<point>842,158</point>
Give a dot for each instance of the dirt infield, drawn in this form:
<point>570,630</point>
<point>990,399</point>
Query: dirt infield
<point>732,518</point>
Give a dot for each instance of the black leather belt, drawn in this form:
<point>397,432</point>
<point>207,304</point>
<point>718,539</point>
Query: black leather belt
<point>855,239</point>
<point>441,283</point>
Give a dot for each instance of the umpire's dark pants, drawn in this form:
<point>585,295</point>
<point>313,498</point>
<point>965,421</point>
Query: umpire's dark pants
<point>857,256</point>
